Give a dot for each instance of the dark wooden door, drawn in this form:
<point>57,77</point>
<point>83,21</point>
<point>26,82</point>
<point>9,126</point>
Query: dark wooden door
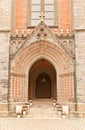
<point>43,86</point>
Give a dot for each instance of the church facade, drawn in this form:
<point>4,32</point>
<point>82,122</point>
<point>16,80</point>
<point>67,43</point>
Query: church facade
<point>42,52</point>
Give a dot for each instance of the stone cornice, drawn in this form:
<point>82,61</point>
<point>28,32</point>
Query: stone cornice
<point>5,31</point>
<point>79,30</point>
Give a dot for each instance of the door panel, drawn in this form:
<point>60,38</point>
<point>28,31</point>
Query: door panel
<point>43,86</point>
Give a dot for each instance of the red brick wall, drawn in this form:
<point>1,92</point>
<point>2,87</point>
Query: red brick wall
<point>65,14</point>
<point>20,15</point>
<point>24,59</point>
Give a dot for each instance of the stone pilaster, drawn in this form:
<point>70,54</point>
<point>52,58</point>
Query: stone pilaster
<point>5,26</point>
<point>79,27</point>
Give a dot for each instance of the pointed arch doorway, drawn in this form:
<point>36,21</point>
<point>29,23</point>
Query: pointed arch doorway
<point>43,86</point>
<point>42,81</point>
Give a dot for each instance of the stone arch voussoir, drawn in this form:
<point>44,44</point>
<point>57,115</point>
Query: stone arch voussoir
<point>32,53</point>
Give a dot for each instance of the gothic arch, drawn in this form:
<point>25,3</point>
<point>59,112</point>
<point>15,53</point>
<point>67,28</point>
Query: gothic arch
<point>39,67</point>
<point>28,56</point>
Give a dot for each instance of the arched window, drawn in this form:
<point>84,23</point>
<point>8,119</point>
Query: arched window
<point>27,13</point>
<point>35,8</point>
<point>47,6</point>
<point>49,12</point>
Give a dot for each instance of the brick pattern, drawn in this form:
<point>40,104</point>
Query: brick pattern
<point>65,15</point>
<point>37,68</point>
<point>23,14</point>
<point>67,90</point>
<point>22,62</point>
<point>20,15</point>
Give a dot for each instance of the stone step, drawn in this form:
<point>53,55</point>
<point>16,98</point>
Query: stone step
<point>41,109</point>
<point>41,116</point>
<point>44,110</point>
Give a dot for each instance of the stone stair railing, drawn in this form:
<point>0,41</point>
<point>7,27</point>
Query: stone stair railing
<point>62,110</point>
<point>22,110</point>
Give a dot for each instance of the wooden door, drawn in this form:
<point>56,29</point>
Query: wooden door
<point>43,86</point>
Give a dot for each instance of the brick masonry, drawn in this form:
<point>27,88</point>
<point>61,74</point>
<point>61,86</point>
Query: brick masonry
<point>78,21</point>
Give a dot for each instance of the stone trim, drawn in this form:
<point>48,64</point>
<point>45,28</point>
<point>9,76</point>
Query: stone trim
<point>5,31</point>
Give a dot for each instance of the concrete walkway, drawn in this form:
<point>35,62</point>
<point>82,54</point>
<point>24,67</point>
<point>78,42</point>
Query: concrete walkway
<point>41,124</point>
<point>42,109</point>
<point>42,116</point>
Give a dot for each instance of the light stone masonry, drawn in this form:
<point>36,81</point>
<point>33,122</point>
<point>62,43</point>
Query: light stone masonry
<point>5,27</point>
<point>5,14</point>
<point>78,22</point>
<point>4,66</point>
<point>79,14</point>
<point>80,65</point>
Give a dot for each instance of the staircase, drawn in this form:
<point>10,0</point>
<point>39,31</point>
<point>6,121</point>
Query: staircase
<point>41,109</point>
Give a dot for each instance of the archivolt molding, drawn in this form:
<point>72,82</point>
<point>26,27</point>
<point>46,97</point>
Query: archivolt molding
<point>45,50</point>
<point>42,33</point>
<point>24,60</point>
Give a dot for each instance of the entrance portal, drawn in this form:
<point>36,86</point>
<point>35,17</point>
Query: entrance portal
<point>42,80</point>
<point>43,86</point>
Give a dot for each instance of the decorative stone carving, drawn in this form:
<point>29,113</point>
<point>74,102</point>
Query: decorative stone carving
<point>15,46</point>
<point>43,33</point>
<point>68,46</point>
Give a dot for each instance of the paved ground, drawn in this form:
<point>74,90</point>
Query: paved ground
<point>41,124</point>
<point>42,115</point>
